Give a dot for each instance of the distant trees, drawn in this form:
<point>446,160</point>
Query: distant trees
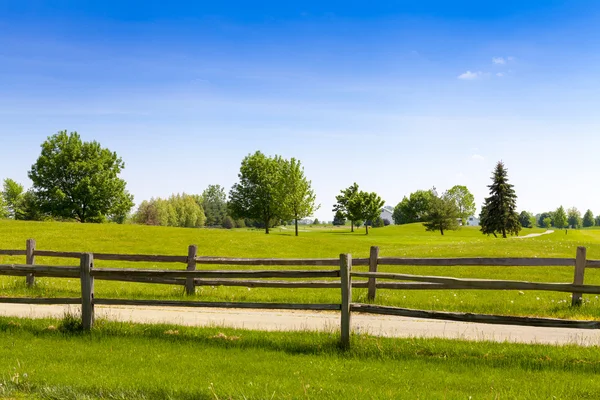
<point>560,218</point>
<point>542,217</point>
<point>346,208</point>
<point>574,218</point>
<point>443,213</point>
<point>464,200</point>
<point>367,207</point>
<point>339,219</point>
<point>413,208</point>
<point>588,219</point>
<point>271,189</point>
<point>547,222</point>
<point>228,222</point>
<point>498,214</point>
<point>12,194</point>
<point>526,219</point>
<point>181,210</point>
<point>79,180</point>
<point>214,204</point>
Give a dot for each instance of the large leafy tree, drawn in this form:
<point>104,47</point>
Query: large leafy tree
<point>443,213</point>
<point>214,204</point>
<point>560,218</point>
<point>574,218</point>
<point>258,191</point>
<point>350,210</point>
<point>296,194</point>
<point>12,193</point>
<point>367,206</point>
<point>413,208</point>
<point>525,219</point>
<point>79,180</point>
<point>464,200</point>
<point>588,219</point>
<point>498,214</point>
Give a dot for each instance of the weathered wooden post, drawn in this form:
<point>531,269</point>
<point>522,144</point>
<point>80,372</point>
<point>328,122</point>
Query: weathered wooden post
<point>30,260</point>
<point>346,283</point>
<point>373,260</point>
<point>580,262</point>
<point>190,287</point>
<point>87,291</point>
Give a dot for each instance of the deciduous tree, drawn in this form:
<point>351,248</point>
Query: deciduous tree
<point>560,218</point>
<point>498,214</point>
<point>588,219</point>
<point>525,219</point>
<point>367,206</point>
<point>296,194</point>
<point>464,200</point>
<point>343,205</point>
<point>443,214</point>
<point>413,208</point>
<point>79,180</point>
<point>12,194</point>
<point>574,218</point>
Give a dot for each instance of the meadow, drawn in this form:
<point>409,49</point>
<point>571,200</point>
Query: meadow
<point>403,241</point>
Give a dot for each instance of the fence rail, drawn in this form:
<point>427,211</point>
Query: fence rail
<point>339,278</point>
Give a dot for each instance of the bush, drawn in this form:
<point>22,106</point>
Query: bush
<point>377,222</point>
<point>240,223</point>
<point>386,222</point>
<point>228,222</point>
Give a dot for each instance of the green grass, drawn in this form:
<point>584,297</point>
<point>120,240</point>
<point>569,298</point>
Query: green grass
<point>38,359</point>
<point>403,241</point>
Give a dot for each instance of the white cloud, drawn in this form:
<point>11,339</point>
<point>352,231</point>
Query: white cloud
<point>500,74</point>
<point>469,76</point>
<point>477,157</point>
<point>498,60</point>
<point>510,58</point>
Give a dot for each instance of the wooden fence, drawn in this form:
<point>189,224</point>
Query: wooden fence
<point>342,276</point>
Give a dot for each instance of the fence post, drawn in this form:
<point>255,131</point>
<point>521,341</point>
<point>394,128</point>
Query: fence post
<point>30,260</point>
<point>346,283</point>
<point>190,287</point>
<point>87,291</point>
<point>580,262</point>
<point>373,259</point>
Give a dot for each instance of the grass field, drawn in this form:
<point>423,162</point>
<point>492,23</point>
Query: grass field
<point>404,241</point>
<point>128,361</point>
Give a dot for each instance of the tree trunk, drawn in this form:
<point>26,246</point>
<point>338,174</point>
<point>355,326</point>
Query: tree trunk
<point>267,226</point>
<point>367,228</point>
<point>442,231</point>
<point>351,226</point>
<point>296,226</point>
<point>504,233</point>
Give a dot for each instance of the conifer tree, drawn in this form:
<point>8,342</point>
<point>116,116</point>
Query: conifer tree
<point>498,214</point>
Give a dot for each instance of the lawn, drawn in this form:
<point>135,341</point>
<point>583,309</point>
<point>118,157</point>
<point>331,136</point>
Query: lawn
<point>403,241</point>
<point>38,359</point>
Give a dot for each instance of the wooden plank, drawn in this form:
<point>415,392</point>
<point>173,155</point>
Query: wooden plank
<point>478,318</point>
<point>412,286</point>
<point>507,262</point>
<point>592,264</point>
<point>579,273</point>
<point>39,270</point>
<point>209,304</point>
<point>115,257</point>
<point>346,285</point>
<point>165,281</point>
<point>277,261</point>
<point>374,256</point>
<point>483,284</point>
<point>30,259</point>
<point>278,284</point>
<point>13,252</point>
<point>190,288</point>
<point>38,300</point>
<point>116,272</point>
<point>87,291</point>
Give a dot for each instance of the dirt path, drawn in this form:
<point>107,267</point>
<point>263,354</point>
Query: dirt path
<point>328,321</point>
<point>533,235</point>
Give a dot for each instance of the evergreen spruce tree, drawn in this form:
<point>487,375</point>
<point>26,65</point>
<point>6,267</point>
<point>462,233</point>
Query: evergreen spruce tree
<point>498,214</point>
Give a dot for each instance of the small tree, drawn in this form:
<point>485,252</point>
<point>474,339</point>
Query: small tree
<point>525,219</point>
<point>214,204</point>
<point>367,206</point>
<point>498,214</point>
<point>574,218</point>
<point>228,222</point>
<point>464,200</point>
<point>560,218</point>
<point>542,217</point>
<point>316,221</point>
<point>378,222</point>
<point>12,194</point>
<point>339,219</point>
<point>413,208</point>
<point>443,214</point>
<point>386,222</point>
<point>547,222</point>
<point>588,219</point>
<point>296,194</point>
<point>343,205</point>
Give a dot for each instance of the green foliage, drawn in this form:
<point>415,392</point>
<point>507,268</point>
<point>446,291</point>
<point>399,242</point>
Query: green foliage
<point>547,223</point>
<point>12,194</point>
<point>378,222</point>
<point>296,194</point>
<point>386,222</point>
<point>588,219</point>
<point>464,200</point>
<point>228,222</point>
<point>183,211</point>
<point>525,219</point>
<point>366,206</point>
<point>414,208</point>
<point>443,213</point>
<point>560,218</point>
<point>574,218</point>
<point>339,219</point>
<point>214,204</point>
<point>257,194</point>
<point>498,214</point>
<point>542,217</point>
<point>3,209</point>
<point>79,180</point>
<point>345,205</point>
<point>316,221</point>
<point>240,223</point>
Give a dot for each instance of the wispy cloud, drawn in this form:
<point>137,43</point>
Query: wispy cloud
<point>510,58</point>
<point>500,74</point>
<point>470,76</point>
<point>498,60</point>
<point>477,157</point>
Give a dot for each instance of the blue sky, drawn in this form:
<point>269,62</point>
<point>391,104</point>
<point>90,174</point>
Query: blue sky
<point>397,96</point>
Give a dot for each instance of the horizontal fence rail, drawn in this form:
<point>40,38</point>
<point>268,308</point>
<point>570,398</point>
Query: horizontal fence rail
<point>342,277</point>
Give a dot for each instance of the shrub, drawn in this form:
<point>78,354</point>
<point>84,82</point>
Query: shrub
<point>386,222</point>
<point>240,223</point>
<point>228,222</point>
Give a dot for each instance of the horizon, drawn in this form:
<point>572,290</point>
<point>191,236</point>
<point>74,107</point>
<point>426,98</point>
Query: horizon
<point>395,97</point>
